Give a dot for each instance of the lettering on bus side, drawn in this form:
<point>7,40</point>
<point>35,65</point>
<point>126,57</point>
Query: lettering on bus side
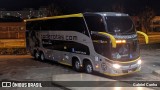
<point>72,38</point>
<point>59,37</point>
<point>54,37</point>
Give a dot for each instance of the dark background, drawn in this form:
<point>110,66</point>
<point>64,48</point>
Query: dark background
<point>132,7</point>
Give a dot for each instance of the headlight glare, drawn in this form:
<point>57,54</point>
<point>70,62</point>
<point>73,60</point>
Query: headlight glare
<point>116,66</point>
<point>139,62</point>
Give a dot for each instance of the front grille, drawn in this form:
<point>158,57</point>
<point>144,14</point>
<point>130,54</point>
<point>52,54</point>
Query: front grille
<point>126,71</point>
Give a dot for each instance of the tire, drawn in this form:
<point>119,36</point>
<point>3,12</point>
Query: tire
<point>76,65</point>
<point>88,67</point>
<point>36,55</point>
<point>42,57</point>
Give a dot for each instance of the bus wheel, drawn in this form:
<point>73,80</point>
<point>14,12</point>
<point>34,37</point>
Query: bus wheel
<point>42,57</point>
<point>36,55</point>
<point>88,67</point>
<point>76,65</point>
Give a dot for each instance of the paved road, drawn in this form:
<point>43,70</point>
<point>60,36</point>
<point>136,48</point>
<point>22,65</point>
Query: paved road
<point>25,68</point>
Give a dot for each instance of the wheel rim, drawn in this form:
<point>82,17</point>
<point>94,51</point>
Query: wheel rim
<point>89,68</point>
<point>77,65</point>
<point>42,56</point>
<point>37,55</point>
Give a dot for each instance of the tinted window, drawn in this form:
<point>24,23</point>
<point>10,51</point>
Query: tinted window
<point>155,29</point>
<point>28,26</point>
<point>126,52</point>
<point>95,23</point>
<point>102,46</point>
<point>34,25</point>
<point>63,24</point>
<point>72,47</point>
<point>120,24</point>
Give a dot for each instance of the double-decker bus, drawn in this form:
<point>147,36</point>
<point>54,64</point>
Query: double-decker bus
<point>105,42</point>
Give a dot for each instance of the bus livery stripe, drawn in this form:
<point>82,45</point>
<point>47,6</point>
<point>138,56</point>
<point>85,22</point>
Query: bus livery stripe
<point>55,17</point>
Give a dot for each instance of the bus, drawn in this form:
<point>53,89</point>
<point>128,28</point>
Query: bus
<point>104,42</point>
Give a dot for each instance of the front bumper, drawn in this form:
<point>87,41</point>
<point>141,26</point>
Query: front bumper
<point>126,68</point>
<point>123,72</point>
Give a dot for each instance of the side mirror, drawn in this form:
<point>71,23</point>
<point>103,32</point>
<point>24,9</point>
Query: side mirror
<point>145,36</point>
<point>113,40</point>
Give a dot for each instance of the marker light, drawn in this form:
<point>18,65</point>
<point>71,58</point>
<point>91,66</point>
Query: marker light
<point>120,41</point>
<point>25,20</point>
<point>105,14</point>
<point>116,66</point>
<point>139,62</point>
<point>97,66</point>
<point>118,14</point>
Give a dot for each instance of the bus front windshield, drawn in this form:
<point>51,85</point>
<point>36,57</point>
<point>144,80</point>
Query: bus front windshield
<point>120,25</point>
<point>126,52</point>
<point>123,25</point>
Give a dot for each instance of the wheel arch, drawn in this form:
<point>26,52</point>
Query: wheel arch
<point>87,60</point>
<point>76,58</point>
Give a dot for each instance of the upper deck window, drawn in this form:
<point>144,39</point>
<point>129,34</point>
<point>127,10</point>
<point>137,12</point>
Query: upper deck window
<point>61,24</point>
<point>95,23</point>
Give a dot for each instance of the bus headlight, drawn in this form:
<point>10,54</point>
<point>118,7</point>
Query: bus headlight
<point>116,66</point>
<point>120,41</point>
<point>139,62</point>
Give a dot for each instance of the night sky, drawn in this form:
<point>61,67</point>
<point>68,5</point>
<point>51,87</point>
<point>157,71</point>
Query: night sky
<point>75,6</point>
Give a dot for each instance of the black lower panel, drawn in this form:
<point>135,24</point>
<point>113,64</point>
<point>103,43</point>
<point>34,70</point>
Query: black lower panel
<point>68,46</point>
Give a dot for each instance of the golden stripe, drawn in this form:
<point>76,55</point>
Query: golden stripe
<point>56,17</point>
<point>65,63</point>
<point>145,36</point>
<point>113,40</point>
<point>127,61</point>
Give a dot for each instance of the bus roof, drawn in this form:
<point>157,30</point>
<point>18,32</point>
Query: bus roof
<point>55,17</point>
<point>107,13</point>
<point>78,15</point>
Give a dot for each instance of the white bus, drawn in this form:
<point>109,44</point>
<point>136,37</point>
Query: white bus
<point>105,42</point>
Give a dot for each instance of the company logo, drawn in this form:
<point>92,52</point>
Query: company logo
<point>21,84</point>
<point>6,84</point>
<point>59,37</point>
<point>125,36</point>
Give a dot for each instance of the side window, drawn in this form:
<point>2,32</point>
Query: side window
<point>68,24</point>
<point>45,25</point>
<point>36,25</point>
<point>33,25</point>
<point>76,24</point>
<point>29,25</point>
<point>95,23</point>
<point>101,44</point>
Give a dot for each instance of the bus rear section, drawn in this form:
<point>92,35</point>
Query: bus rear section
<point>115,41</point>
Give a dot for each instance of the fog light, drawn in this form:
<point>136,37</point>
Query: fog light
<point>139,62</point>
<point>120,41</point>
<point>97,66</point>
<point>116,66</point>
